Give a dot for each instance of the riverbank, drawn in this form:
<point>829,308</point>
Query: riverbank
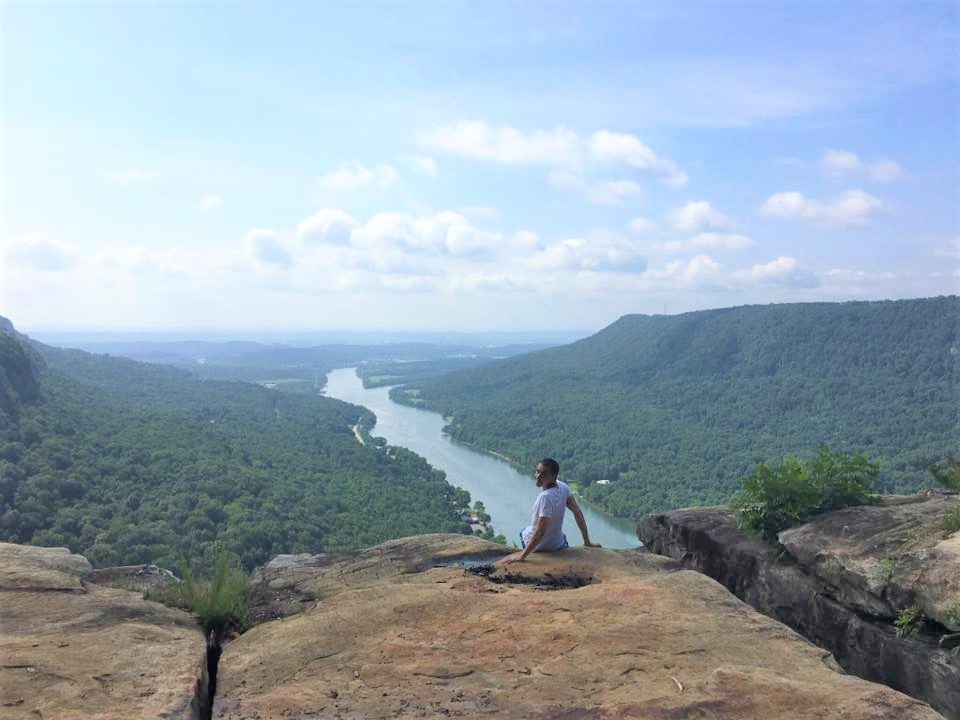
<point>505,488</point>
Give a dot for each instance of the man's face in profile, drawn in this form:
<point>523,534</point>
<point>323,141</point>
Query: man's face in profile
<point>543,475</point>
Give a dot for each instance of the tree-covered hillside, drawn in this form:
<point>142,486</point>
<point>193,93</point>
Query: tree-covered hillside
<point>674,410</point>
<point>127,462</point>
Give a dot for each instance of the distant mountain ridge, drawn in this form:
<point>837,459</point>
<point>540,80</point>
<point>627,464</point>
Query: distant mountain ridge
<point>655,412</point>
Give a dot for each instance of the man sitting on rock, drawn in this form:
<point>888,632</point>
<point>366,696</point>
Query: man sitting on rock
<point>545,531</point>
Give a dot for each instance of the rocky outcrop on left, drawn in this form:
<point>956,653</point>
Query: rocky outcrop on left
<point>842,580</point>
<point>20,367</point>
<point>71,648</point>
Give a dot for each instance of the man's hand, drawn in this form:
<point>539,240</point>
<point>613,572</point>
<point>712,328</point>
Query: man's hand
<point>515,557</point>
<point>592,544</point>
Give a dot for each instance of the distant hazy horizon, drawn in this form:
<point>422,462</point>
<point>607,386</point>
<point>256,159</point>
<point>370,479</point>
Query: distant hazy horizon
<point>306,337</point>
<point>323,336</point>
<point>427,166</point>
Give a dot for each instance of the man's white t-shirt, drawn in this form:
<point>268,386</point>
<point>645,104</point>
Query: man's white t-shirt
<point>550,504</point>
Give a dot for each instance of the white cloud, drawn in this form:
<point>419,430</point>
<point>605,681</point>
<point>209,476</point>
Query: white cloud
<point>885,171</point>
<point>790,162</point>
<point>327,225</point>
<point>622,148</point>
<point>722,242</point>
<point>601,250</point>
<point>701,271</point>
<point>951,249</point>
<point>852,208</point>
<point>696,216</point>
<point>565,180</point>
<point>422,165</point>
<point>210,202</point>
<point>613,192</point>
<point>356,176</point>
<point>506,145</point>
<point>264,245</point>
<point>480,211</point>
<point>626,149</point>
<point>446,232</point>
<point>40,251</point>
<point>782,271</point>
<point>642,226</point>
<point>839,163</point>
<point>408,283</point>
<point>559,147</point>
<point>496,282</point>
<point>607,192</point>
<point>525,239</point>
<point>730,242</point>
<point>129,176</point>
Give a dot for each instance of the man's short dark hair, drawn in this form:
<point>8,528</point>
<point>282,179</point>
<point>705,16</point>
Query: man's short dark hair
<point>552,465</point>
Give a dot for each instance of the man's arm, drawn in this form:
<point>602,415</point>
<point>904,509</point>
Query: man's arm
<point>538,534</point>
<point>581,521</point>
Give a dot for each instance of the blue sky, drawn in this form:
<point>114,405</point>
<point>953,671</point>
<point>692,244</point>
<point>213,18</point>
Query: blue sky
<point>471,166</point>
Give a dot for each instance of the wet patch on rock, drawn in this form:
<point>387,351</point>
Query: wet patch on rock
<point>546,581</point>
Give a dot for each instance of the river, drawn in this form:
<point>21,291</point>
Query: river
<point>507,494</point>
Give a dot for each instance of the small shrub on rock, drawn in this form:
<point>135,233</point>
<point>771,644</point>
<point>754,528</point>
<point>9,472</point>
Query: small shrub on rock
<point>777,496</point>
<point>909,621</point>
<point>947,472</point>
<point>951,523</point>
<point>220,602</point>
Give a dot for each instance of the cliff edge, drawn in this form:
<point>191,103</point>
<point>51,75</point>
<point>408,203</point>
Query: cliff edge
<point>842,580</point>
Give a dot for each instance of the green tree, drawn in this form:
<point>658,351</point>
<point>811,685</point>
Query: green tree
<point>780,495</point>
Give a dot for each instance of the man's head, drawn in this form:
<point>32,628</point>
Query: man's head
<point>547,471</point>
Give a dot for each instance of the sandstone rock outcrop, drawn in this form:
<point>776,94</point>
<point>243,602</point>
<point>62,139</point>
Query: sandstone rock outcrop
<point>841,582</point>
<point>71,649</point>
<point>880,559</point>
<point>405,630</point>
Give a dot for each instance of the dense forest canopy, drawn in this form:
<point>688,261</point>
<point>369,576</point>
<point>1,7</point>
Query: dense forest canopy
<point>657,412</point>
<point>128,462</point>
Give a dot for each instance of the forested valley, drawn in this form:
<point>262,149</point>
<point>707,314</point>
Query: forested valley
<point>660,412</point>
<point>127,462</point>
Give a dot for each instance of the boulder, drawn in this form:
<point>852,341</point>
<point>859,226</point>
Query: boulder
<point>420,628</point>
<point>73,649</point>
<point>831,590</point>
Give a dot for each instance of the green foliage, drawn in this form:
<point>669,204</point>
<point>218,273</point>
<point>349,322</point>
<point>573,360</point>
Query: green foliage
<point>953,614</point>
<point>951,523</point>
<point>778,496</point>
<point>131,463</point>
<point>952,617</point>
<point>883,572</point>
<point>947,472</point>
<point>909,621</point>
<point>674,410</point>
<point>219,601</point>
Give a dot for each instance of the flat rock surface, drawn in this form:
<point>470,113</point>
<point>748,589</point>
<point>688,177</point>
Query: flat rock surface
<point>290,583</point>
<point>403,632</point>
<point>884,558</point>
<point>71,650</point>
